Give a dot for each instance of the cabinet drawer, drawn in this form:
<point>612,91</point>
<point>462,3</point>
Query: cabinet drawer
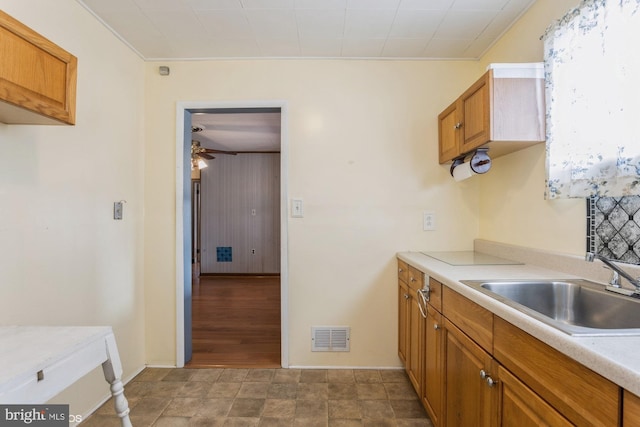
<point>416,278</point>
<point>435,294</point>
<point>403,271</point>
<point>581,395</point>
<point>472,319</point>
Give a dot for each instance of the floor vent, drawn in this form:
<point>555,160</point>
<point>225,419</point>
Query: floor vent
<point>330,338</point>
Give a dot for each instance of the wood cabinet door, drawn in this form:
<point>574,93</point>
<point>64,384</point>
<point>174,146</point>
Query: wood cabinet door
<point>449,123</point>
<point>433,378</point>
<point>416,342</point>
<point>631,409</point>
<point>521,407</point>
<point>476,113</point>
<point>38,84</point>
<point>403,321</point>
<point>469,400</point>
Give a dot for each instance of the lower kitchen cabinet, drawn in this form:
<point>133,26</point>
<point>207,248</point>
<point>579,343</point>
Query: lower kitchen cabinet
<point>472,368</point>
<point>581,395</point>
<point>411,323</point>
<point>433,376</point>
<point>631,410</point>
<point>521,407</point>
<point>403,321</point>
<point>416,341</point>
<point>471,396</point>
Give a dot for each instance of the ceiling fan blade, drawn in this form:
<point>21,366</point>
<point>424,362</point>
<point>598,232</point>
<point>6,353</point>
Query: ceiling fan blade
<point>211,150</point>
<point>206,156</point>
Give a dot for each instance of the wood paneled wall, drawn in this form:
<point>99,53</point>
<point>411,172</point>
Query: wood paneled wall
<point>240,198</point>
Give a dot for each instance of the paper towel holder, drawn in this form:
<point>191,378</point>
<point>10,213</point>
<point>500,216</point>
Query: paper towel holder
<point>480,161</point>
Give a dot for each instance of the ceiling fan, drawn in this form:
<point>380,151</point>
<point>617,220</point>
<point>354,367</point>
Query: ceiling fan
<point>199,154</point>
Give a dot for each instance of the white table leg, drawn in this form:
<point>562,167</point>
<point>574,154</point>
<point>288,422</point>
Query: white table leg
<point>120,402</point>
<point>112,373</point>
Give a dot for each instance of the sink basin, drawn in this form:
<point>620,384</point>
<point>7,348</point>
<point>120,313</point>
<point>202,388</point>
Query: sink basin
<point>577,307</point>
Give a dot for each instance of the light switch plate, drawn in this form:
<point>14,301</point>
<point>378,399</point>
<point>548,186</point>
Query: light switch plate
<point>297,208</point>
<point>117,210</point>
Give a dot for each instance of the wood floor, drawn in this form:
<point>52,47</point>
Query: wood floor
<point>236,321</point>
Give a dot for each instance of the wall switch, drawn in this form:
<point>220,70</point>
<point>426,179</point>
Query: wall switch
<point>297,208</point>
<point>428,221</point>
<point>117,210</point>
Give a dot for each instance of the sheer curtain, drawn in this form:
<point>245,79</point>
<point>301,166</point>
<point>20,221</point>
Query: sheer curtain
<point>592,73</point>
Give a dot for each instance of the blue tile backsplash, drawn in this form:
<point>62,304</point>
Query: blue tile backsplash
<point>613,227</point>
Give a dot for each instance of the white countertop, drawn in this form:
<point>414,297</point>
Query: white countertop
<point>615,358</point>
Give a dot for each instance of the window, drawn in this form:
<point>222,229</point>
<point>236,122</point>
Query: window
<point>592,76</point>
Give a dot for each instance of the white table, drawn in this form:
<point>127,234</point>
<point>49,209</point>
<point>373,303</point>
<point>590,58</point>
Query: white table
<point>38,362</point>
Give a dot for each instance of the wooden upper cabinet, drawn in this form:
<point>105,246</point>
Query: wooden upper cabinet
<point>449,132</point>
<point>37,77</point>
<point>476,106</point>
<point>501,111</point>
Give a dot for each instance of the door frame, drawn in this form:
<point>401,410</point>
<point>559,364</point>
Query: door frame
<point>181,263</point>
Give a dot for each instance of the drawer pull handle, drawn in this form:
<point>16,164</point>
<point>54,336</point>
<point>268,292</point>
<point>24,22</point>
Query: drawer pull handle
<point>491,382</point>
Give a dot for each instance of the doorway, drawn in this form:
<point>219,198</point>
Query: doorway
<point>186,242</point>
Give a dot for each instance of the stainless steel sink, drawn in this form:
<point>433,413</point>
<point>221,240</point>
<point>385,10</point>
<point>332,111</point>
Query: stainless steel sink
<point>577,307</point>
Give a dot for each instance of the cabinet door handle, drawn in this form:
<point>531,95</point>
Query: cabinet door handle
<point>487,377</point>
<point>406,296</point>
<point>436,326</point>
<point>457,125</point>
<point>400,270</point>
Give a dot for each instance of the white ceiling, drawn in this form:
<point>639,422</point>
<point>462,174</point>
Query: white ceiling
<point>238,130</point>
<point>211,29</point>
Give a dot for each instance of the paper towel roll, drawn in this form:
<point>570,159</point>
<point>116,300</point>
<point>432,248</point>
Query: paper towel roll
<point>463,171</point>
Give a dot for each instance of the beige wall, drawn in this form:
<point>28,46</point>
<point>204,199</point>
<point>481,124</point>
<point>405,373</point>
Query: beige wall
<point>362,156</point>
<point>63,259</point>
<point>512,206</point>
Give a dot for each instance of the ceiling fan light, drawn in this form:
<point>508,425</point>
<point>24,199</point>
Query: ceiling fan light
<point>201,164</point>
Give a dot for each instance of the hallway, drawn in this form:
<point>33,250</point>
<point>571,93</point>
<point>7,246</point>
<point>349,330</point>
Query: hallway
<point>236,321</point>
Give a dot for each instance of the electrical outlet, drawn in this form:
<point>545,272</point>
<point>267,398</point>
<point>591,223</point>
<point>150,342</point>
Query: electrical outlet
<point>428,221</point>
<point>253,251</point>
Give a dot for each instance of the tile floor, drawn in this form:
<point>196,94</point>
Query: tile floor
<point>268,397</point>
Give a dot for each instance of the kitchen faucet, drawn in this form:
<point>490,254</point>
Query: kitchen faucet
<point>616,272</point>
